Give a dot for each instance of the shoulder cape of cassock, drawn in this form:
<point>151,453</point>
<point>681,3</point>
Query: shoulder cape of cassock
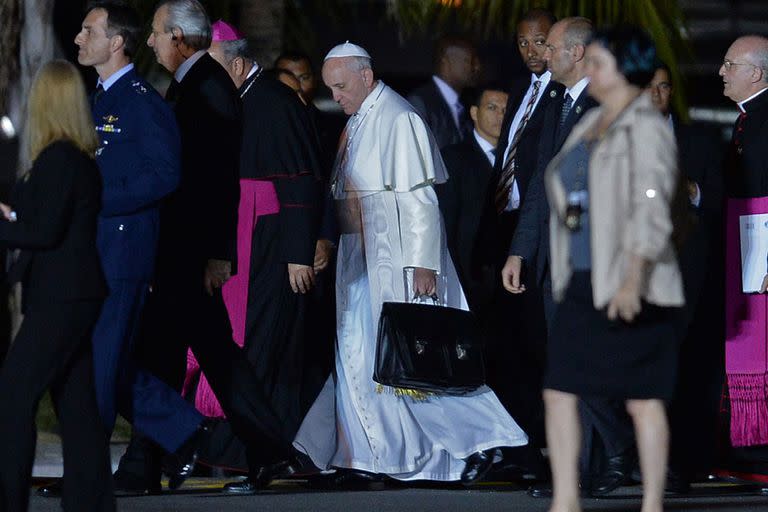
<point>394,149</point>
<point>278,138</point>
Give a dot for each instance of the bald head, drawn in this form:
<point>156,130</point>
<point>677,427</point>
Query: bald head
<point>745,67</point>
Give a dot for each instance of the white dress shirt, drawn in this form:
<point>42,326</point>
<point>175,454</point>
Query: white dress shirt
<point>489,150</point>
<point>578,88</point>
<point>514,194</point>
<point>450,96</point>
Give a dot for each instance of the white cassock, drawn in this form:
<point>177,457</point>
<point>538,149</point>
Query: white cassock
<point>390,222</point>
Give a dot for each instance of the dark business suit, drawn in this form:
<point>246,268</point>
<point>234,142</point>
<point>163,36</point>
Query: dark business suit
<point>694,409</point>
<point>430,104</point>
<point>199,223</point>
<point>461,201</point>
<point>139,162</point>
<point>516,322</point>
<point>63,287</point>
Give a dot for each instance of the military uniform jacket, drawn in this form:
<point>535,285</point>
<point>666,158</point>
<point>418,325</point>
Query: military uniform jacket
<point>139,162</point>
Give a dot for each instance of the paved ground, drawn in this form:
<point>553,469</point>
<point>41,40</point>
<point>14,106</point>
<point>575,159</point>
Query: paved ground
<point>201,494</point>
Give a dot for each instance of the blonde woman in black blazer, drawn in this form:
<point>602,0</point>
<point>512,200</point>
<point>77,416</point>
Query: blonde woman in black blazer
<point>52,220</point>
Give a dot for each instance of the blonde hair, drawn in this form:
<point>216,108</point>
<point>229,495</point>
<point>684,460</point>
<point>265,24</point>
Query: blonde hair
<point>58,109</point>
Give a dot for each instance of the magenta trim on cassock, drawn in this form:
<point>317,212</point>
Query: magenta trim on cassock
<point>257,198</point>
<point>746,335</point>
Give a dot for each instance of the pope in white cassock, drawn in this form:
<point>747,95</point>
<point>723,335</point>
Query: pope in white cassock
<point>392,247</point>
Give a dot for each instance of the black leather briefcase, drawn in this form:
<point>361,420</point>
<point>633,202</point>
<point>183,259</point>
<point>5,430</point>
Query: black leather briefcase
<point>429,348</point>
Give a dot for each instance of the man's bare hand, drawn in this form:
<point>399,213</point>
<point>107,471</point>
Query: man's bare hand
<point>301,277</point>
<point>7,212</point>
<point>510,274</point>
<point>424,281</point>
<point>217,272</point>
<point>323,252</point>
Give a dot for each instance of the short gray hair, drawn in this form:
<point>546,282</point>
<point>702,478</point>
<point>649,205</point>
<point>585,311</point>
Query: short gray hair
<point>359,63</point>
<point>190,17</point>
<point>234,49</point>
<point>578,31</point>
<point>761,57</point>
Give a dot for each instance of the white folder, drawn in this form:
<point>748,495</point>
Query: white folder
<point>753,234</point>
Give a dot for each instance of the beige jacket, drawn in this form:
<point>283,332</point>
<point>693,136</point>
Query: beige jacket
<point>632,178</point>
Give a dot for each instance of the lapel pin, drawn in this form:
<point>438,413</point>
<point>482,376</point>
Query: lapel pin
<point>578,110</point>
<point>552,94</point>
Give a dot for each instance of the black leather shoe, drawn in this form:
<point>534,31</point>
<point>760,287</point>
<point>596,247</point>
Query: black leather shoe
<point>262,478</point>
<point>540,491</point>
<point>52,490</point>
<point>355,479</point>
<point>618,472</point>
<point>183,461</point>
<point>478,465</point>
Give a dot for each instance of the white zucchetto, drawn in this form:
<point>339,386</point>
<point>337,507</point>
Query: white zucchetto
<point>347,49</point>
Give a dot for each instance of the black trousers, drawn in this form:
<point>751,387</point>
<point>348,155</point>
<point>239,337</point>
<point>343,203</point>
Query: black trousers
<point>53,351</point>
<point>180,316</point>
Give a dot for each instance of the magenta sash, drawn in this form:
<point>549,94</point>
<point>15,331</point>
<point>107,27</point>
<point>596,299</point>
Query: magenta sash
<point>746,335</point>
<point>257,198</point>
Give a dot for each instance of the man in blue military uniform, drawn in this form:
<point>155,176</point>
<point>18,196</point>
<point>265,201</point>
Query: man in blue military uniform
<point>139,162</point>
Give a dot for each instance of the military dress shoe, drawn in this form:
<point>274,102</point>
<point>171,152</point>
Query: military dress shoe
<point>51,490</point>
<point>262,478</point>
<point>182,462</point>
<point>477,466</point>
<point>540,491</point>
<point>618,472</point>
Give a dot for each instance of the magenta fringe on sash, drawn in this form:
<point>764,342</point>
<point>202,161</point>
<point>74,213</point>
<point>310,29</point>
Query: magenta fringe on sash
<point>746,340</point>
<point>749,408</point>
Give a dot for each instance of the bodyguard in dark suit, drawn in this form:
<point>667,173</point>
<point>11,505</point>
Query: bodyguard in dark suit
<point>529,249</point>
<point>461,198</point>
<point>439,100</point>
<point>693,411</point>
<point>515,323</point>
<point>138,157</point>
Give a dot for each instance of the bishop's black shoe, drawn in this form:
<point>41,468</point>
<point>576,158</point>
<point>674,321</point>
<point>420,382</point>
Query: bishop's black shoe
<point>261,478</point>
<point>477,466</point>
<point>356,479</point>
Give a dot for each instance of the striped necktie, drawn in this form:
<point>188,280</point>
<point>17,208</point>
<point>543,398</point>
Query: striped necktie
<point>567,105</point>
<point>507,177</point>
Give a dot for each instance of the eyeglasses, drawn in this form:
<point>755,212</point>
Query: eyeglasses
<point>727,64</point>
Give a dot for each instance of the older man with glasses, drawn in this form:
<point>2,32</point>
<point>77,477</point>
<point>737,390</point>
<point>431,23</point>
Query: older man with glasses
<point>745,80</point>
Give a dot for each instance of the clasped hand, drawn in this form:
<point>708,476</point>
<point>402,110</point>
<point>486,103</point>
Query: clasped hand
<point>7,212</point>
<point>217,272</point>
<point>424,282</point>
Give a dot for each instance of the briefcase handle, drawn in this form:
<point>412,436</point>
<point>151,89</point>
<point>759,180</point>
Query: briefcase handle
<point>423,299</point>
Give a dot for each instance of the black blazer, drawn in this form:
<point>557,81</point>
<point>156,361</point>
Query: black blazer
<point>198,221</point>
<point>531,238</point>
<point>56,204</point>
<point>430,104</point>
<point>461,201</point>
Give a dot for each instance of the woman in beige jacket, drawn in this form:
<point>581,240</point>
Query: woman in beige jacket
<point>614,269</point>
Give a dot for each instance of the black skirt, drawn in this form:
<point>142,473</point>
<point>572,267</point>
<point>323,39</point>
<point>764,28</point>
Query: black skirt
<point>589,355</point>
